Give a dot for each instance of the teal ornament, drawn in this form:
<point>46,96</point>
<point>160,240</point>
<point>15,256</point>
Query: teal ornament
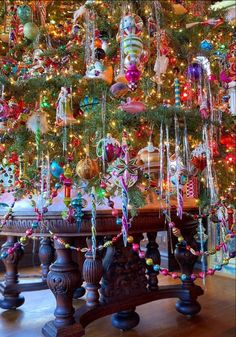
<point>57,186</point>
<point>217,267</point>
<point>88,104</point>
<point>55,169</point>
<point>34,225</point>
<point>77,204</point>
<point>3,255</point>
<point>31,30</point>
<point>118,221</point>
<point>206,45</point>
<point>24,13</point>
<point>183,277</point>
<point>156,267</point>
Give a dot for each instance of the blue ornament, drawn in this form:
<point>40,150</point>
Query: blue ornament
<point>206,45</point>
<point>88,104</point>
<point>183,277</point>
<point>57,186</point>
<point>34,225</point>
<point>118,221</point>
<point>156,267</point>
<point>217,267</point>
<point>3,255</point>
<point>55,169</point>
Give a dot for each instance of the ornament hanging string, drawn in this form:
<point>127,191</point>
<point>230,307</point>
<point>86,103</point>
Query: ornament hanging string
<point>161,161</point>
<point>93,222</point>
<point>209,174</point>
<point>179,192</point>
<point>157,10</point>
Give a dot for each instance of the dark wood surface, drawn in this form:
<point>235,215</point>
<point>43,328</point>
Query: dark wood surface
<point>125,281</point>
<point>159,318</point>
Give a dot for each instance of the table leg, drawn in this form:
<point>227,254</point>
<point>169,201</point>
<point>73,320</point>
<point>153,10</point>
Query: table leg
<point>187,304</point>
<point>12,298</point>
<point>62,280</point>
<point>153,253</point>
<point>46,256</point>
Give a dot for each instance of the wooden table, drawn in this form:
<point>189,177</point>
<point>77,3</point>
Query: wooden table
<point>122,277</point>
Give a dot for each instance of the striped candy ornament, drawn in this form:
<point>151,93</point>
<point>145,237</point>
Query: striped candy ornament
<point>177,93</point>
<point>192,188</point>
<point>21,30</point>
<point>133,46</point>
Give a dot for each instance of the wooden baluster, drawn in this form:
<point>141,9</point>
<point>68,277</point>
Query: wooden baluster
<point>187,304</point>
<point>92,274</point>
<point>12,298</point>
<point>153,253</point>
<point>62,280</point>
<point>46,256</point>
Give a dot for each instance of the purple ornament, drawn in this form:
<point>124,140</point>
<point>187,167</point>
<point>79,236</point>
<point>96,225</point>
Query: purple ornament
<point>224,77</point>
<point>132,74</point>
<point>194,71</point>
<point>112,152</point>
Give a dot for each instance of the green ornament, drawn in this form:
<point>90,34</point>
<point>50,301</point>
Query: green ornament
<point>24,13</point>
<point>31,30</point>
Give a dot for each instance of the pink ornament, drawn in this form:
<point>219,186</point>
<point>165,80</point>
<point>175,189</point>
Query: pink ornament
<point>171,224</point>
<point>202,274</point>
<point>103,185</point>
<point>193,277</point>
<point>141,255</point>
<point>115,212</point>
<point>29,232</point>
<point>164,272</point>
<point>10,250</point>
<point>224,77</point>
<point>135,247</point>
<point>210,272</point>
<point>132,74</point>
<point>174,276</point>
<point>133,107</point>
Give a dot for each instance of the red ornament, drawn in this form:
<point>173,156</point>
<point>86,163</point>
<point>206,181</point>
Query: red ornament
<point>229,140</point>
<point>231,159</point>
<point>199,162</point>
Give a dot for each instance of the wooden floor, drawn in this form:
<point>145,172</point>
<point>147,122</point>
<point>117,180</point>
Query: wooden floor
<point>158,319</point>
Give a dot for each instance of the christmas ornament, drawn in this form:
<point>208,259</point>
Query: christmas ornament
<point>179,9</point>
<point>97,70</point>
<point>24,13</point>
<point>108,148</point>
<point>132,75</point>
<point>87,168</point>
<point>192,188</point>
<point>119,89</point>
<point>56,169</point>
<point>194,71</point>
<point>88,104</point>
<point>64,113</point>
<point>206,45</point>
<point>31,30</point>
<point>149,155</point>
<point>133,106</point>
<point>198,157</point>
<point>177,92</point>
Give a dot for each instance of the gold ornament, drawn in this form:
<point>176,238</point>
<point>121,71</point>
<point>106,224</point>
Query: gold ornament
<point>87,168</point>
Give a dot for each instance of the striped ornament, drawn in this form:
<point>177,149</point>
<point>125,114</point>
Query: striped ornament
<point>133,45</point>
<point>177,92</point>
<point>21,30</point>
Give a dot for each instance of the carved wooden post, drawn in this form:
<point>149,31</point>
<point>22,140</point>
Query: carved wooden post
<point>187,304</point>
<point>62,280</point>
<point>92,274</point>
<point>12,298</point>
<point>46,256</point>
<point>153,253</point>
